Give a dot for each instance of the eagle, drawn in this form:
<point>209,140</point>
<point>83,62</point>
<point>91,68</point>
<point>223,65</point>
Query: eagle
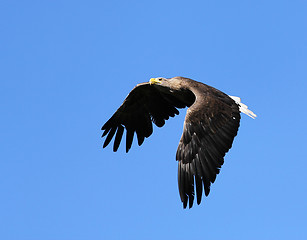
<point>211,123</point>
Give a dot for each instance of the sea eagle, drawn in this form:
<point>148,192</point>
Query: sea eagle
<point>211,123</point>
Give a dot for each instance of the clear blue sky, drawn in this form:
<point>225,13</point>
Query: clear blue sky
<point>66,66</point>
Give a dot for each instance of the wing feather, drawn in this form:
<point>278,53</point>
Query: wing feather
<point>109,137</point>
<point>118,137</point>
<point>210,126</point>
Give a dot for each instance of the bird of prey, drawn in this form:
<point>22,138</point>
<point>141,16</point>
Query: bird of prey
<point>211,123</point>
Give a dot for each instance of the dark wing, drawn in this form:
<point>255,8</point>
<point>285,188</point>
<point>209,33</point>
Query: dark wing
<point>209,130</point>
<point>143,105</point>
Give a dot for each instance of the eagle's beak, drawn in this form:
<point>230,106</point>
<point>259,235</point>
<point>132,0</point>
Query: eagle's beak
<point>154,81</point>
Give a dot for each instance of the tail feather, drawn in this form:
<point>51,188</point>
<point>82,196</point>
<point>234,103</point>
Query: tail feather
<point>243,108</point>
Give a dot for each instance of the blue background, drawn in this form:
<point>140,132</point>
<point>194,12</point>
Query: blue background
<point>66,66</point>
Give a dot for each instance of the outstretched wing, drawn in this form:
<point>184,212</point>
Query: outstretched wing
<point>143,105</point>
<point>210,126</point>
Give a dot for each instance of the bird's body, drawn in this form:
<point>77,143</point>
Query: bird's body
<point>210,125</point>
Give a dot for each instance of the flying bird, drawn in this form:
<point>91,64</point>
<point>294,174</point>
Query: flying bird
<point>211,123</point>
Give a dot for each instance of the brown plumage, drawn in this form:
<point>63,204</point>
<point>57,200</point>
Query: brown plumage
<point>210,125</point>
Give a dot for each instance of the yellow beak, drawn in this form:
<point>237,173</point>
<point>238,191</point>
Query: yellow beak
<point>154,81</point>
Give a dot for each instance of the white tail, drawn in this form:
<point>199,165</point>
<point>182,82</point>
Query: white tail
<point>243,108</point>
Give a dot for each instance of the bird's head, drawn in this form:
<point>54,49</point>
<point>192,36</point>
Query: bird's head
<point>157,81</point>
<point>172,83</point>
